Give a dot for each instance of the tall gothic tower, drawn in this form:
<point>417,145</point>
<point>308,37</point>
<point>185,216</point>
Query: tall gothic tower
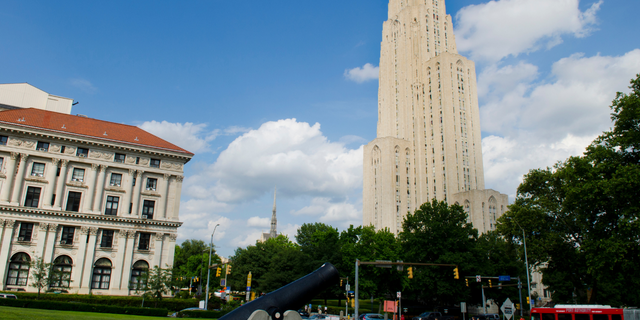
<point>428,141</point>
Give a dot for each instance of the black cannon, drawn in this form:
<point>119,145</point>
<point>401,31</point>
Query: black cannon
<point>290,297</point>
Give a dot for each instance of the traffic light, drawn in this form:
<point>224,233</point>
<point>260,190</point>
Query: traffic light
<point>410,272</point>
<point>228,269</point>
<point>218,271</point>
<point>341,282</point>
<point>456,274</point>
<point>528,301</point>
<point>210,293</point>
<point>467,281</point>
<point>490,286</point>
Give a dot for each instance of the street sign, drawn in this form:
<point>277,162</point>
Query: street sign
<point>399,294</point>
<point>463,307</point>
<point>348,287</point>
<point>478,278</point>
<point>249,279</point>
<point>383,265</point>
<point>507,309</point>
<point>222,283</point>
<point>504,278</point>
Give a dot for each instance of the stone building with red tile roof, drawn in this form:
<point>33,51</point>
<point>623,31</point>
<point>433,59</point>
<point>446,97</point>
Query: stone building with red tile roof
<point>99,200</point>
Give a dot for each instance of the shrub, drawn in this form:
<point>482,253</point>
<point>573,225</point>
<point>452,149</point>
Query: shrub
<point>200,314</point>
<point>68,306</point>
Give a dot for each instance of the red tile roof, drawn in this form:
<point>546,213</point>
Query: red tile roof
<point>87,127</point>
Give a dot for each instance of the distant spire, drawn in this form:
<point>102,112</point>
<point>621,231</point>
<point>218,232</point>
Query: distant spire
<point>274,221</point>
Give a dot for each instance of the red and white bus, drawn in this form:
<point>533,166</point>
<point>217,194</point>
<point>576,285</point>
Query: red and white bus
<point>584,312</point>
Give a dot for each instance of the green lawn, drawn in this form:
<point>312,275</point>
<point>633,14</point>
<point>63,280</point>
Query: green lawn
<point>42,314</point>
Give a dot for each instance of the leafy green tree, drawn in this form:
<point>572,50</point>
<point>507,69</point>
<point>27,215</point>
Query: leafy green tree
<point>191,260</point>
<point>581,216</point>
<point>438,233</point>
<point>42,274</point>
<point>155,283</point>
<point>273,264</point>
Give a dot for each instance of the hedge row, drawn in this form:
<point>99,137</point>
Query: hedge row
<point>121,301</point>
<point>200,314</point>
<point>69,306</point>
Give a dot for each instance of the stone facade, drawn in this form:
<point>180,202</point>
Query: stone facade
<point>100,207</point>
<point>428,141</point>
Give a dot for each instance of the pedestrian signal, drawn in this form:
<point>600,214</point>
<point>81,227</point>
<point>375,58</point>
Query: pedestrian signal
<point>456,274</point>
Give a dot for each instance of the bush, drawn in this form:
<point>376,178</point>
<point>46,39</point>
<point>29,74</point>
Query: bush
<point>121,301</point>
<point>69,306</point>
<point>200,314</point>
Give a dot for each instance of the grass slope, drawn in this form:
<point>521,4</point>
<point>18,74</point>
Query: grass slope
<point>11,313</point>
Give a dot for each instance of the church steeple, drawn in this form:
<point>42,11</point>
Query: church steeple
<point>274,221</point>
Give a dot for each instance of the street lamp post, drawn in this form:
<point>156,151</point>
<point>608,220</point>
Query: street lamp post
<point>206,298</point>
<point>526,261</point>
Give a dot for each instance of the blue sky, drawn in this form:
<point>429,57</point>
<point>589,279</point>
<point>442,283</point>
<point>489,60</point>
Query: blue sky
<point>226,79</point>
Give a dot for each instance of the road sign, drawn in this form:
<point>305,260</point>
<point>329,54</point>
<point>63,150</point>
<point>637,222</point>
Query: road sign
<point>507,309</point>
<point>399,294</point>
<point>348,287</point>
<point>383,265</point>
<point>478,278</point>
<point>249,279</point>
<point>504,278</point>
<point>222,283</point>
<point>463,307</point>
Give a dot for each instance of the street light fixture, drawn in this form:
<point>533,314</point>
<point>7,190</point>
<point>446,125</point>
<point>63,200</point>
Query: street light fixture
<point>526,261</point>
<point>206,297</point>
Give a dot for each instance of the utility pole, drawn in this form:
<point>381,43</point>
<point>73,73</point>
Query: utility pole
<point>206,299</point>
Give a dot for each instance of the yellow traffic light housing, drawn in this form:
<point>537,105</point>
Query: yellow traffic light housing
<point>467,281</point>
<point>410,269</point>
<point>490,286</point>
<point>218,271</point>
<point>528,301</point>
<point>228,269</point>
<point>456,274</point>
<point>341,282</point>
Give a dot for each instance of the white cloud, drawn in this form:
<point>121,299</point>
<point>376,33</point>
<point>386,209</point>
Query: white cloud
<point>259,222</point>
<point>84,85</point>
<point>360,75</point>
<point>535,124</point>
<point>190,136</point>
<point>328,211</point>
<point>497,29</point>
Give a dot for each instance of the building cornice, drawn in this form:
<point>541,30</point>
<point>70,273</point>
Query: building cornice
<point>90,217</point>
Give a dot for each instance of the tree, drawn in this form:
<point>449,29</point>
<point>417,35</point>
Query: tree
<point>438,233</point>
<point>42,274</point>
<point>581,217</point>
<point>191,260</point>
<point>155,283</point>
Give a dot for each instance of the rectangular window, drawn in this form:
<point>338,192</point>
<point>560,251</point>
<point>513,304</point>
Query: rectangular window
<point>3,140</point>
<point>26,229</point>
<point>147,209</point>
<point>116,179</point>
<point>78,175</point>
<point>155,163</point>
<point>33,197</point>
<point>1,163</point>
<point>62,149</point>
<point>112,206</point>
<point>152,183</point>
<point>143,244</point>
<point>119,158</point>
<point>42,146</point>
<point>107,239</point>
<point>73,201</point>
<point>37,170</point>
<point>67,235</point>
<point>82,152</point>
<point>137,160</point>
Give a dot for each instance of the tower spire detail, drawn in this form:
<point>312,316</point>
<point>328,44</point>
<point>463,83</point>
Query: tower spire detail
<point>274,221</point>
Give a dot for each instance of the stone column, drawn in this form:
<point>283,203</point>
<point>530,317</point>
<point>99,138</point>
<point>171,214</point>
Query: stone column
<point>171,243</point>
<point>116,275</point>
<point>99,190</point>
<point>41,239</point>
<point>62,179</point>
<point>91,187</point>
<point>51,178</point>
<point>128,257</point>
<point>135,198</point>
<point>157,253</point>
<point>176,207</point>
<point>17,188</point>
<point>5,194</point>
<point>79,260</point>
<point>164,200</point>
<point>51,242</point>
<point>88,262</point>
<point>128,188</point>
<point>5,250</point>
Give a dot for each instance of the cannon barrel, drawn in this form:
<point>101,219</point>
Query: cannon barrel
<point>290,297</point>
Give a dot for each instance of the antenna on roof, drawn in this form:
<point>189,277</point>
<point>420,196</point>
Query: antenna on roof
<point>136,139</point>
<point>105,134</point>
<point>73,104</point>
<point>63,127</point>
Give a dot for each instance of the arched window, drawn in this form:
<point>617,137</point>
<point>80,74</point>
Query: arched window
<point>61,272</point>
<point>138,274</point>
<point>101,274</point>
<point>19,270</point>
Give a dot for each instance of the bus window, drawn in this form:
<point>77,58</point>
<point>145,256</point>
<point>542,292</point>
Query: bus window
<point>535,316</point>
<point>564,316</point>
<point>600,317</point>
<point>581,316</point>
<point>616,317</point>
<point>548,316</point>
